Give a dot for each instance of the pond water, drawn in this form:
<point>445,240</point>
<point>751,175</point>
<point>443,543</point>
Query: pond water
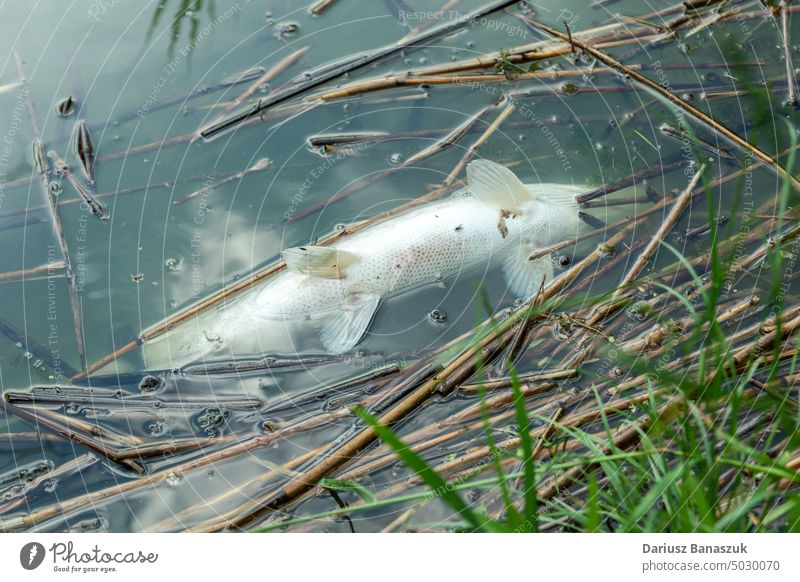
<point>145,76</point>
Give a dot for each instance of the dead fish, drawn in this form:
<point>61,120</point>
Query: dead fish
<point>684,136</point>
<point>340,287</point>
<point>335,139</point>
<point>65,107</point>
<point>85,149</point>
<point>248,75</point>
<point>39,158</point>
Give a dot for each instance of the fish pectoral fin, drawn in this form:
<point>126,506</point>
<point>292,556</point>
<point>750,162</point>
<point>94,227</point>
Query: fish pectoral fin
<point>344,328</point>
<point>497,186</point>
<point>315,261</point>
<point>524,277</point>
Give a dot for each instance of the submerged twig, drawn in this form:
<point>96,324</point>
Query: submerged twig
<point>353,64</point>
<point>791,98</point>
<point>58,227</point>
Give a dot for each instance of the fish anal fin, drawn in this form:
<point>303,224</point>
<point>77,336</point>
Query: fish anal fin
<point>497,186</point>
<point>316,261</point>
<point>344,328</point>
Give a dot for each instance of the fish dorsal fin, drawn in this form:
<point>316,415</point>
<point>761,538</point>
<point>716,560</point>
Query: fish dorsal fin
<point>556,194</point>
<point>347,325</point>
<point>497,186</point>
<point>314,261</point>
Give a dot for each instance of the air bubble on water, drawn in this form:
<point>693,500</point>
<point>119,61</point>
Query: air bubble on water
<point>157,429</point>
<point>173,479</point>
<point>173,264</point>
<point>18,344</point>
<point>396,158</point>
<point>71,408</point>
<point>50,485</point>
<point>423,61</point>
<point>27,355</point>
<point>172,303</point>
<point>437,316</point>
<point>55,188</point>
<point>287,28</point>
<point>212,419</point>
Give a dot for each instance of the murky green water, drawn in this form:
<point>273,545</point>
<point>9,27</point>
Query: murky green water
<point>153,258</point>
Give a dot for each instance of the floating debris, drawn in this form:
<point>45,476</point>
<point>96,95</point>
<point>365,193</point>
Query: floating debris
<point>137,277</point>
<point>85,149</point>
<point>62,169</point>
<point>39,158</point>
<point>287,28</point>
<point>65,107</point>
<point>563,261</point>
<point>317,141</point>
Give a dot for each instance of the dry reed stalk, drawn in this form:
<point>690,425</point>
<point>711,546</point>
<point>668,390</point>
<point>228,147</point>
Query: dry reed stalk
<point>279,68</point>
<point>22,274</point>
<point>473,149</point>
